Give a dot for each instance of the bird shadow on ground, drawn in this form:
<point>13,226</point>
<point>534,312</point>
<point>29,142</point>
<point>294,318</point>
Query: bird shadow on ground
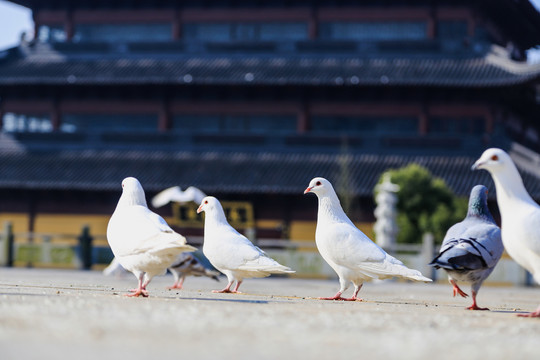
<point>23,294</point>
<point>228,300</point>
<point>509,311</point>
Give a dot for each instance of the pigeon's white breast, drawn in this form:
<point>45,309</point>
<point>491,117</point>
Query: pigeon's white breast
<point>520,232</point>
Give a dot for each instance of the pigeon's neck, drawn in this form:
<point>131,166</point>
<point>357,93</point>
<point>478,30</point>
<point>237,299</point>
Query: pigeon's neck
<point>478,209</point>
<point>330,210</point>
<point>131,199</point>
<point>510,188</point>
<point>214,219</point>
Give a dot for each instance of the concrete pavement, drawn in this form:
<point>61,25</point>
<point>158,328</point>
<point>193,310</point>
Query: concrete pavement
<point>57,314</point>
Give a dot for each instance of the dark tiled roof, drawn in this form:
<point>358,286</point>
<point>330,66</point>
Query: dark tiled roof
<point>219,172</point>
<point>70,64</point>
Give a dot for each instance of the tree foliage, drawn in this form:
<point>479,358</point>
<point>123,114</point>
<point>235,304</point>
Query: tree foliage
<point>425,204</point>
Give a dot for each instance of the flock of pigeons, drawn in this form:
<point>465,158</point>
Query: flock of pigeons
<point>145,245</point>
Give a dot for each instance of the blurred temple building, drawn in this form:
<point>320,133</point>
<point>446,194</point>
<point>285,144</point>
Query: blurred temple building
<point>249,100</point>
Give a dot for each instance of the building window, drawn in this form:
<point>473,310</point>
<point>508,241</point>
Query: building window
<point>102,123</point>
<point>122,32</point>
<point>245,31</point>
<point>373,30</point>
<point>363,125</point>
<point>453,126</point>
<point>254,124</point>
<point>26,123</point>
<point>52,33</point>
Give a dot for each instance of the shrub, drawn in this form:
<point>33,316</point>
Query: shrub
<point>425,204</point>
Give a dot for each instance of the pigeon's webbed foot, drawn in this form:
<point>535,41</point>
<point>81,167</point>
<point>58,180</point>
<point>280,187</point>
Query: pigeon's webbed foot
<point>338,297</point>
<point>138,292</point>
<point>474,306</point>
<point>228,290</point>
<point>175,286</point>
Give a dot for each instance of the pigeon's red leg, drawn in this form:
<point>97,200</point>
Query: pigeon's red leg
<point>236,287</point>
<point>457,290</point>
<point>178,284</point>
<point>356,290</point>
<point>474,306</point>
<point>226,290</point>
<point>535,313</point>
<point>337,297</point>
<point>140,290</point>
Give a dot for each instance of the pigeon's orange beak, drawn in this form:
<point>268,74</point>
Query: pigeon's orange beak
<point>307,190</point>
<point>199,209</point>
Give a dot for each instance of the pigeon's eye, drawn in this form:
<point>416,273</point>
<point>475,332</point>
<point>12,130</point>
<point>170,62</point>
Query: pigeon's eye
<point>206,201</point>
<point>318,183</point>
<point>494,158</point>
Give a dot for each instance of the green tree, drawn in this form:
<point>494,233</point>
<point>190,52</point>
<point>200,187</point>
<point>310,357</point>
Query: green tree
<point>425,204</point>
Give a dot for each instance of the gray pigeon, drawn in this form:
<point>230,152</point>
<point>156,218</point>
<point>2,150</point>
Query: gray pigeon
<point>186,264</point>
<point>471,248</point>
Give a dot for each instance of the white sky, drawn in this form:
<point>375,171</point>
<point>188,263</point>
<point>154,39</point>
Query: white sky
<point>15,19</point>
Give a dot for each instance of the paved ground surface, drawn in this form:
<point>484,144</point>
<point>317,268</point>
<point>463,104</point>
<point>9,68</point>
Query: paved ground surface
<point>59,314</point>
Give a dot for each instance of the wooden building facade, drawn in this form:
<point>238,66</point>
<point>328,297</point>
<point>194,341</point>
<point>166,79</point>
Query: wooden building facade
<point>248,100</point>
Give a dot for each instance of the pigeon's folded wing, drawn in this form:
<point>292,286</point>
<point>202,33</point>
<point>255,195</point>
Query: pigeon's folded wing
<point>136,229</point>
<point>235,250</point>
<point>476,245</point>
<point>348,246</point>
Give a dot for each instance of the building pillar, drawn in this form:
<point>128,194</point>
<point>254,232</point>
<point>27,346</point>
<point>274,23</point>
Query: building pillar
<point>56,117</point>
<point>165,118</point>
<point>313,24</point>
<point>302,125</point>
<point>471,26</point>
<point>431,30</point>
<point>69,27</point>
<point>177,26</point>
<point>423,122</point>
<point>490,121</point>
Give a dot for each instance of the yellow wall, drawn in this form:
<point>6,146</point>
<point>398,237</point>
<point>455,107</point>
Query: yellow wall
<point>71,224</point>
<point>305,230</point>
<point>19,221</point>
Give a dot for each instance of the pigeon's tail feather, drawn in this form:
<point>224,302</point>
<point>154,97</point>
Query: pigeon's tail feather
<point>411,274</point>
<point>458,259</point>
<point>270,269</point>
<point>389,269</point>
<point>418,277</point>
<point>114,268</point>
<point>172,241</point>
<point>265,264</point>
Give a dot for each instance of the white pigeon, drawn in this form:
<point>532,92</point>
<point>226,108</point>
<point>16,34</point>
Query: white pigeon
<point>114,269</point>
<point>175,194</point>
<point>186,264</point>
<point>472,247</point>
<point>352,255</point>
<point>141,240</point>
<point>231,252</point>
<point>520,214</point>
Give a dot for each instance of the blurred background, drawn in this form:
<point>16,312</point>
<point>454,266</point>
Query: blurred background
<point>249,100</point>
